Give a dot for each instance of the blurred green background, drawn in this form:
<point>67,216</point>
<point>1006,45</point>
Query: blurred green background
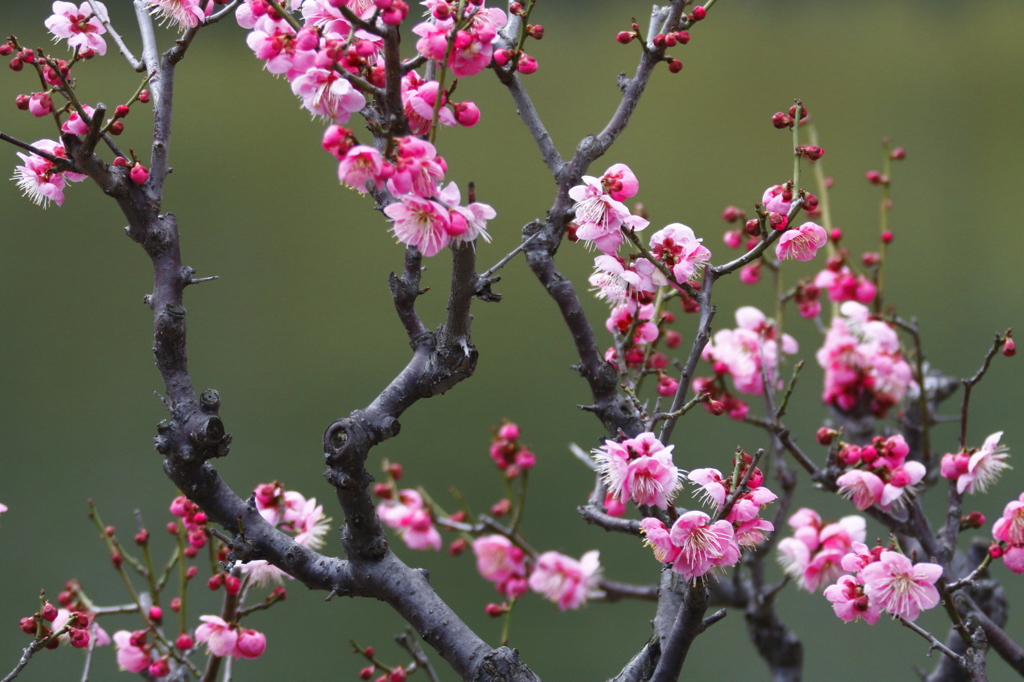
<point>300,328</point>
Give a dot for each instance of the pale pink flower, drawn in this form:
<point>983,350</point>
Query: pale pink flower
<point>611,279</point>
<point>418,100</point>
<point>501,562</point>
<point>702,545</point>
<point>421,223</point>
<point>712,486</point>
<point>620,182</point>
<point>261,573</point>
<point>75,125</point>
<point>984,466</point>
<point>658,538</point>
<point>3,508</point>
<point>321,14</point>
<point>362,164</point>
<point>849,601</point>
<point>132,658</point>
<point>752,533</point>
<point>1013,559</point>
<point>566,581</point>
<point>801,243</point>
<point>325,93</point>
<point>863,488</point>
<point>250,643</point>
<point>476,214</point>
<point>102,638</point>
<point>679,249</point>
<point>311,525</point>
<point>599,217</point>
<point>418,168</point>
<point>652,480</point>
<point>185,13</point>
<point>741,353</point>
<point>612,461</point>
<point>218,635</point>
<point>901,587</point>
<point>79,25</point>
<point>433,42</point>
<point>410,517</point>
<point>844,285</point>
<point>814,556</point>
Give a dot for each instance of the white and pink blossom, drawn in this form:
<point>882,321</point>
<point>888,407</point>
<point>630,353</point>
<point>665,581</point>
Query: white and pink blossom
<point>185,14</point>
<point>79,25</point>
<point>801,243</point>
<point>411,518</point>
<point>566,581</point>
<point>900,586</point>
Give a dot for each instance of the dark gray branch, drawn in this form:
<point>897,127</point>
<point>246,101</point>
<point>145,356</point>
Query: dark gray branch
<point>688,625</point>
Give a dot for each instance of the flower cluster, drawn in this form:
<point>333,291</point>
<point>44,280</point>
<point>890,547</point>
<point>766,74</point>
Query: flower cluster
<point>879,473</point>
<point>194,521</point>
<point>748,353</point>
<point>502,563</point>
<point>39,179</point>
<point>600,213</point>
<point>715,489</point>
<point>412,519</point>
<point>813,556</point>
<point>883,580</point>
<point>566,581</point>
<point>864,367</point>
<point>228,639</point>
<point>842,284</point>
<point>694,545</point>
<point>465,44</point>
<point>639,469</point>
<point>508,454</point>
<point>291,512</point>
<point>976,470</point>
<point>64,626</point>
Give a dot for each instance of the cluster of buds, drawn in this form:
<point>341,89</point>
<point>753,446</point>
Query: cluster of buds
<point>54,626</point>
<point>508,454</point>
<point>781,120</point>
<point>194,521</point>
<point>879,473</point>
<point>525,64</point>
<point>391,673</point>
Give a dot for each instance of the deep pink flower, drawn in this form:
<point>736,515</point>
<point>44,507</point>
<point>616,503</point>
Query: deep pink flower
<point>79,25</point>
<point>1010,526</point>
<point>421,223</point>
<point>639,469</point>
<point>75,125</point>
<point>566,581</point>
<point>475,215</point>
<point>849,601</point>
<point>38,180</point>
<point>702,545</point>
<point>218,635</point>
<point>598,215</point>
<point>433,42</point>
<point>774,199</point>
<point>40,104</point>
<point>418,100</point>
<point>814,556</point>
<point>741,353</point>
<point>284,50</point>
<point>250,643</point>
<point>418,168</point>
<point>901,587</point>
<point>902,485</point>
<point>801,243</point>
<point>132,658</point>
<point>657,537</point>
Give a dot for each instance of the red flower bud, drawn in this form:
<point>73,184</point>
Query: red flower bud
<point>501,507</point>
<point>27,55</point>
<point>116,128</point>
<point>496,610</point>
<point>65,598</point>
<point>159,668</point>
<point>674,65</point>
<point>778,221</point>
<point>366,673</point>
<point>368,652</point>
<point>398,675</point>
<point>110,530</point>
<point>995,551</point>
<point>658,40</point>
<point>142,537</point>
<point>232,584</point>
<point>874,177</point>
<point>120,111</point>
<point>811,152</point>
<point>516,8</point>
<point>6,49</point>
<point>871,259</point>
<point>682,37</point>
<point>898,154</point>
<point>191,572</point>
<point>116,559</point>
<point>28,625</point>
<point>887,237</point>
<point>139,173</point>
<point>176,604</point>
<point>836,235</point>
<point>535,31</point>
<point>458,516</point>
<point>382,490</point>
<point>731,214</point>
<point>781,120</point>
<point>717,407</point>
<point>21,101</point>
<point>673,339</point>
<point>698,13</point>
<point>191,552</point>
<point>625,37</point>
<point>215,581</point>
<point>803,112</point>
<point>753,227</point>
<point>395,471</point>
<point>825,435</point>
<point>184,642</point>
<point>79,638</point>
<point>457,547</point>
<point>1009,347</point>
<point>144,96</point>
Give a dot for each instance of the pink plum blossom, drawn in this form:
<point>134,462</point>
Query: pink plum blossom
<point>844,285</point>
<point>79,25</point>
<point>801,243</point>
<point>219,636</point>
<point>75,125</point>
<point>901,587</point>
<point>741,353</point>
<point>679,249</point>
<point>612,279</point>
<point>418,100</point>
<point>849,601</point>
<point>566,581</point>
<point>418,168</point>
<point>39,180</point>
<point>325,93</point>
<point>639,469</point>
<point>185,13</point>
<point>421,223</point>
<point>984,466</point>
<point>132,658</point>
<point>863,488</point>
<point>623,317</point>
<point>814,555</point>
<point>658,538</point>
<point>284,50</point>
<point>410,517</point>
<point>250,643</point>
<point>775,199</point>
<point>599,216</point>
<point>433,42</point>
<point>501,562</point>
<point>361,165</point>
<point>702,545</point>
<point>476,214</point>
<point>1009,527</point>
<point>902,485</point>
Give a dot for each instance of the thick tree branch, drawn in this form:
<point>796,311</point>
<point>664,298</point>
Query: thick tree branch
<point>688,624</point>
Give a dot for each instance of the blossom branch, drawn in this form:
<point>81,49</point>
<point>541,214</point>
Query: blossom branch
<point>26,656</point>
<point>531,119</point>
<point>689,623</point>
<point>595,516</point>
<point>926,417</point>
<point>407,641</point>
<point>61,163</point>
<point>177,53</point>
<point>934,644</point>
<point>969,385</point>
<point>615,590</point>
<point>738,489</point>
<point>136,64</point>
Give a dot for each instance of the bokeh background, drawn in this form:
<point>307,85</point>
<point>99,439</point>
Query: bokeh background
<point>300,329</point>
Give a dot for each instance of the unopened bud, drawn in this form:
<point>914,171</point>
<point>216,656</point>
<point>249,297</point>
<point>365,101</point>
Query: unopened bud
<point>382,490</point>
<point>191,551</point>
<point>116,559</point>
<point>673,339</point>
<point>658,40</point>
<point>625,37</point>
<point>731,214</point>
<point>898,154</point>
<point>496,610</point>
<point>79,638</point>
<point>16,64</point>
<point>398,675</point>
<point>120,111</point>
<point>457,547</point>
<point>232,584</point>
<point>176,604</point>
<point>535,31</point>
<point>973,520</point>
<point>825,435</point>
<point>995,551</point>
<point>717,407</point>
<point>781,120</point>
<point>395,471</point>
<point>144,96</point>
<point>871,259</point>
<point>698,13</point>
<point>674,65</point>
<point>501,507</point>
<point>142,537</point>
<point>803,112</point>
<point>811,152</point>
<point>6,49</point>
<point>778,221</point>
<point>887,237</point>
<point>753,227</point>
<point>874,177</point>
<point>116,128</point>
<point>367,672</point>
<point>139,173</point>
<point>184,642</point>
<point>156,614</point>
<point>191,572</point>
<point>682,37</point>
<point>28,625</point>
<point>215,581</point>
<point>836,235</point>
<point>21,101</point>
<point>368,652</point>
<point>1009,347</point>
<point>87,53</point>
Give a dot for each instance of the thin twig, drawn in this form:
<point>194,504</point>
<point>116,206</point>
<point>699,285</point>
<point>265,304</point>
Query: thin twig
<point>504,261</point>
<point>61,163</point>
<point>932,641</point>
<point>136,64</point>
<point>969,384</point>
